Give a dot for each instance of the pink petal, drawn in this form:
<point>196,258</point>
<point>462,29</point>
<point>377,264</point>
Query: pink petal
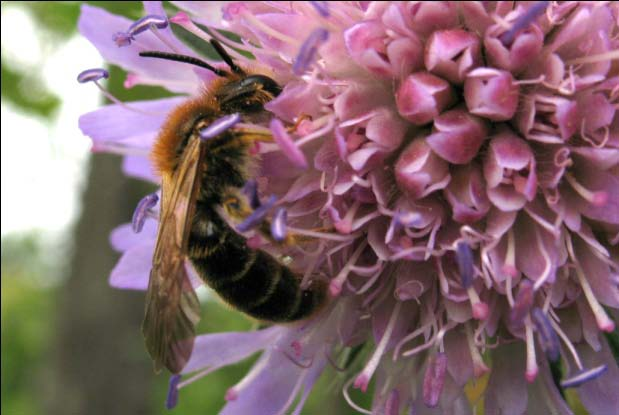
<point>123,237</point>
<point>459,136</point>
<point>506,393</point>
<point>133,269</point>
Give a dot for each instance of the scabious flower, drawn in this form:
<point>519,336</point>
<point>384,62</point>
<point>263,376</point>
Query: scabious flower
<point>454,176</point>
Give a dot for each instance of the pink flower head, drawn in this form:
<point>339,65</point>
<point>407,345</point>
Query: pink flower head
<point>452,172</point>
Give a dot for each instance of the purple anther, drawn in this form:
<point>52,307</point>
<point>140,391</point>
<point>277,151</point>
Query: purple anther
<point>92,75</point>
<point>257,216</point>
<point>523,21</point>
<point>122,39</point>
<point>141,211</point>
<point>251,191</point>
<point>322,7</point>
<point>583,377</point>
<point>145,23</point>
<point>546,334</point>
<point>522,303</point>
<point>219,126</point>
<point>307,54</point>
<point>172,398</point>
<point>392,405</point>
<point>278,225</point>
<point>464,258</point>
<point>434,380</point>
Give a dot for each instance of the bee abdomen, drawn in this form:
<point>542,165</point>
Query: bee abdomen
<point>256,283</point>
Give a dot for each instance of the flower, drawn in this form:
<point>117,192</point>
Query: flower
<point>462,162</point>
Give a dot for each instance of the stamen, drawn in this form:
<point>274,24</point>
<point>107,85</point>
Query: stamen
<point>434,380</point>
<point>601,57</point>
<point>363,379</point>
<point>322,7</point>
<point>464,257</point>
<point>479,367</point>
<point>567,342</point>
<point>523,21</point>
<point>547,337</point>
<point>278,225</point>
<point>257,216</point>
<point>392,406</point>
<point>95,75</point>
<point>548,263</point>
<point>350,401</point>
<point>344,225</point>
<point>522,304</point>
<point>268,30</point>
<point>532,369</point>
<point>603,321</point>
<point>251,190</point>
<point>583,377</point>
<point>309,48</point>
<point>172,398</point>
<point>596,198</point>
<point>141,211</point>
<point>218,127</point>
<point>509,267</point>
<point>287,145</point>
<point>336,284</point>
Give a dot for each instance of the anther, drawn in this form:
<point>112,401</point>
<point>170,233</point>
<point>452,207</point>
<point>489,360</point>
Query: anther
<point>172,398</point>
<point>434,379</point>
<point>523,21</point>
<point>146,23</point>
<point>392,405</point>
<point>219,126</point>
<point>464,257</point>
<point>307,53</point>
<point>278,225</point>
<point>322,7</point>
<point>122,39</point>
<point>583,377</point>
<point>250,189</point>
<point>522,303</point>
<point>142,210</point>
<point>547,337</point>
<point>257,216</point>
<point>92,75</point>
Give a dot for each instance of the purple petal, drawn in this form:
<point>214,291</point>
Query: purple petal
<point>133,269</point>
<point>460,363</point>
<point>506,393</point>
<point>139,167</point>
<point>547,337</point>
<point>434,379</point>
<point>267,388</point>
<point>122,238</point>
<point>97,25</point>
<point>222,349</point>
<point>459,136</point>
<point>114,123</point>
<point>599,396</point>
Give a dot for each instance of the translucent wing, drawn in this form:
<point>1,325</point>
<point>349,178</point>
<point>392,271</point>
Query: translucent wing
<point>172,308</point>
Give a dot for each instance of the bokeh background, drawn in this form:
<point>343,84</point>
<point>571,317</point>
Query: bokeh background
<point>70,343</point>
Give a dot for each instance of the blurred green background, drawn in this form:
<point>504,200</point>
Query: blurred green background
<point>70,343</point>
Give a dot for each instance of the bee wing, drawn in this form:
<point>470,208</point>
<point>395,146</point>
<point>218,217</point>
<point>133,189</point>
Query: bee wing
<point>172,307</point>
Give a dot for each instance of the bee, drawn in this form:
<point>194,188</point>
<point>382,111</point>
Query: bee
<point>199,179</point>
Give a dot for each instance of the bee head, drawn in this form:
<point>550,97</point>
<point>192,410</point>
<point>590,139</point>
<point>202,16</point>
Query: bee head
<point>247,94</point>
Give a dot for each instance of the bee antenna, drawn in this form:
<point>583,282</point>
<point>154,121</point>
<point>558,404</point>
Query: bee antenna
<point>184,59</point>
<point>226,57</point>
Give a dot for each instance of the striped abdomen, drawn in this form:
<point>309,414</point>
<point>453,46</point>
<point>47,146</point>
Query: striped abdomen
<point>250,280</point>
